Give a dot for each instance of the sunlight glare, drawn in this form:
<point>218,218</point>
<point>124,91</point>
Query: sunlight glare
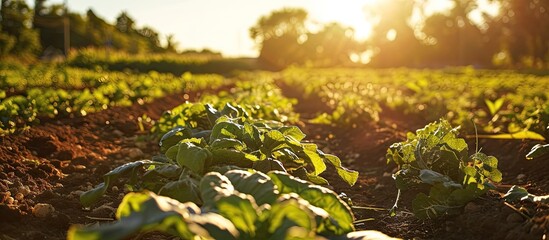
<point>347,13</point>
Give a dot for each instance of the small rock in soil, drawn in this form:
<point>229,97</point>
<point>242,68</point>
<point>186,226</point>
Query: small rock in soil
<point>66,155</point>
<point>472,207</point>
<point>76,194</point>
<point>25,190</point>
<point>19,196</point>
<point>42,210</point>
<point>521,177</point>
<point>141,145</point>
<point>79,167</point>
<point>118,133</point>
<point>134,153</point>
<point>514,218</point>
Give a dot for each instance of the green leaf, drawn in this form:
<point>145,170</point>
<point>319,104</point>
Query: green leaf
<point>293,132</point>
<point>431,177</point>
<point>349,176</point>
<point>230,111</point>
<point>341,217</point>
<point>213,185</point>
<point>142,211</point>
<point>172,137</point>
<point>256,184</point>
<point>273,140</point>
<point>317,179</point>
<point>155,179</point>
<point>457,144</point>
<point>494,106</point>
<point>517,193</point>
<point>211,225</point>
<point>241,210</point>
<point>212,113</point>
<point>435,205</point>
<point>289,212</point>
<point>312,157</point>
<point>232,157</point>
<point>185,190</point>
<point>192,157</point>
<point>460,197</point>
<point>92,196</point>
<point>537,151</point>
<point>226,129</point>
<point>268,165</point>
<point>251,137</point>
<point>227,143</point>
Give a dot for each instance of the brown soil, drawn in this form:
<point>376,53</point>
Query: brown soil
<point>59,159</point>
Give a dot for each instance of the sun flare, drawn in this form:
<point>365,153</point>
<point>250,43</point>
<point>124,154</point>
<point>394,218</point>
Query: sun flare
<point>348,13</point>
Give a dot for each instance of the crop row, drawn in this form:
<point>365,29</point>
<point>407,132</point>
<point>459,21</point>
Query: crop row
<point>229,171</point>
<point>241,171</point>
<point>56,91</point>
<point>500,101</point>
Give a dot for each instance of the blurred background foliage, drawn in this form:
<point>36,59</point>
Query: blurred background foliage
<point>405,34</point>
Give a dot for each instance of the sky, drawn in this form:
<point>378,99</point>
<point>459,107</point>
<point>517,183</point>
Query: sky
<point>221,25</point>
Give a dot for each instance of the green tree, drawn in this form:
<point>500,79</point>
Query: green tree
<point>277,36</point>
<point>124,23</point>
<point>456,39</point>
<point>331,46</point>
<point>525,24</point>
<point>17,37</point>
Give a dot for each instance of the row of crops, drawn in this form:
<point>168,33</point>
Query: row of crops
<point>233,165</point>
<point>46,91</point>
<point>499,102</point>
<point>230,166</point>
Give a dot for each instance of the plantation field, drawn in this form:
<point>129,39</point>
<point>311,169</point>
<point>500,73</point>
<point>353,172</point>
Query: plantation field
<point>299,153</point>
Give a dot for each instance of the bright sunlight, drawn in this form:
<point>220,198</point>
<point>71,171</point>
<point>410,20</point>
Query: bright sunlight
<point>349,13</point>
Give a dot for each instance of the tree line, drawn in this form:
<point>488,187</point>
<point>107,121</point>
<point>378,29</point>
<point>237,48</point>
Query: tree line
<point>405,35</point>
<point>518,36</point>
<point>32,32</point>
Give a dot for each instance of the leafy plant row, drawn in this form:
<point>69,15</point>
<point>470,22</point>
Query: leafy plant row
<point>238,204</point>
<point>259,98</point>
<point>188,153</point>
<point>165,63</point>
<point>21,105</point>
<point>240,172</point>
<point>501,101</point>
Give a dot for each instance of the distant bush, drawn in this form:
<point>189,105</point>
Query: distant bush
<point>176,64</point>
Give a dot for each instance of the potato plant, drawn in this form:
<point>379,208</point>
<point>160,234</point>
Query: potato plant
<point>244,173</point>
<point>237,204</point>
<point>435,163</point>
<point>232,140</point>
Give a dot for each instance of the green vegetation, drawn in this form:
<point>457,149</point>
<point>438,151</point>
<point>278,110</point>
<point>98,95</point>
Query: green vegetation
<point>173,63</point>
<point>260,202</point>
<point>222,138</point>
<point>50,91</point>
<point>499,101</point>
<point>237,204</point>
<point>436,163</point>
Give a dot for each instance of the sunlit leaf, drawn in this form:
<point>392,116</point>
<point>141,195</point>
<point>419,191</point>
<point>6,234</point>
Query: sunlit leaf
<point>537,151</point>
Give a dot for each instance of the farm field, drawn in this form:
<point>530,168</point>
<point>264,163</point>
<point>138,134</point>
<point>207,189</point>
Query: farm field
<point>346,132</point>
